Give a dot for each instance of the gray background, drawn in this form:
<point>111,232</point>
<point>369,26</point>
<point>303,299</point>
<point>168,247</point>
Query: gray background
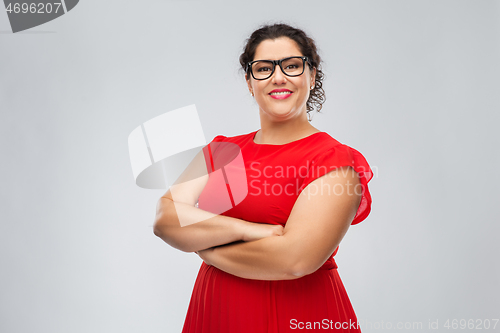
<point>413,85</point>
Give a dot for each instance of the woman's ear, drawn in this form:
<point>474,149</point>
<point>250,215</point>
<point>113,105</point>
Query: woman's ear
<point>313,77</point>
<point>249,84</point>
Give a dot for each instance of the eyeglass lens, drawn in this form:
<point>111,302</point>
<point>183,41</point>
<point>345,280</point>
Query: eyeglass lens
<point>263,69</point>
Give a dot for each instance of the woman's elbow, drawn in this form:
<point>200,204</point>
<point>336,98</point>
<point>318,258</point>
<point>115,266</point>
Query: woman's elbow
<point>299,271</point>
<point>163,229</point>
<point>171,236</point>
<point>159,230</point>
<point>162,218</point>
<point>166,227</point>
<point>303,266</point>
<point>161,225</point>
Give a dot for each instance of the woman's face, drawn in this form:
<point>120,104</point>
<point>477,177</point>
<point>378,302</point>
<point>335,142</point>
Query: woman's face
<point>291,102</point>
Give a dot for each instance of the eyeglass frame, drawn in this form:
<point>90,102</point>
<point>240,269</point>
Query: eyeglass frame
<point>279,62</point>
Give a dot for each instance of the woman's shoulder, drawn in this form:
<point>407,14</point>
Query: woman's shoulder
<point>323,143</point>
<point>326,139</point>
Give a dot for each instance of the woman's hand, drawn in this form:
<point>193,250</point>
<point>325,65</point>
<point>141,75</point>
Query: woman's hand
<point>254,231</point>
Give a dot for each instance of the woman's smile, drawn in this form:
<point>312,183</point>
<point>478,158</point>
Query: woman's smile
<point>280,93</point>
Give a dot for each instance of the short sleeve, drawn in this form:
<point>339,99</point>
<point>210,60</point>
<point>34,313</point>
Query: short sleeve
<point>340,156</point>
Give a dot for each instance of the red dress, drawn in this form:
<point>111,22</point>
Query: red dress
<point>224,303</point>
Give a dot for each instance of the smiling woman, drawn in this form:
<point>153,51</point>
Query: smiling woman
<point>280,95</point>
<point>268,237</point>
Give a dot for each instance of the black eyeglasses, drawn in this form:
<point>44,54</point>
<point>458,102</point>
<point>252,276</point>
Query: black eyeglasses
<point>264,69</point>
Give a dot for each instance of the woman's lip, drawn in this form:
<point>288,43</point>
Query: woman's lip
<point>282,93</point>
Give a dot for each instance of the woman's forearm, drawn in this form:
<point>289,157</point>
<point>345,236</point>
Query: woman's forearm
<point>270,258</point>
<point>191,229</point>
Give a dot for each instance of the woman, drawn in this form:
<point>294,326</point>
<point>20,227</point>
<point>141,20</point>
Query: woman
<point>258,276</point>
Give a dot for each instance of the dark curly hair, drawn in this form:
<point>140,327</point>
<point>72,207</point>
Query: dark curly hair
<point>307,47</point>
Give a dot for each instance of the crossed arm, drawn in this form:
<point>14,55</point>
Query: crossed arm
<point>187,228</point>
<point>314,229</point>
<point>317,223</point>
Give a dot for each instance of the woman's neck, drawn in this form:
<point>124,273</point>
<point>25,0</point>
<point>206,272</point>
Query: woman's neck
<point>274,132</point>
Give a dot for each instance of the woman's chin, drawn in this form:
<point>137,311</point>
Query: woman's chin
<point>280,114</point>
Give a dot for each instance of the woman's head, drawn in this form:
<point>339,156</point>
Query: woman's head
<point>269,40</point>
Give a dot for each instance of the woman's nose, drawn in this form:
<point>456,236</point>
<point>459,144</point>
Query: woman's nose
<point>278,76</point>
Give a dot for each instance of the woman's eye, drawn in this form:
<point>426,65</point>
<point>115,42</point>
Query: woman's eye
<point>292,67</point>
<point>264,69</point>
